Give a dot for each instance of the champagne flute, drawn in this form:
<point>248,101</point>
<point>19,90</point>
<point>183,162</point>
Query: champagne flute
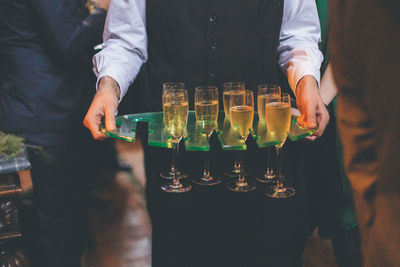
<point>278,118</point>
<point>265,91</point>
<point>173,169</point>
<point>206,110</point>
<point>241,114</point>
<point>234,90</point>
<point>175,111</point>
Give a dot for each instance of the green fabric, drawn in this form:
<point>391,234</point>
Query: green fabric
<point>322,6</point>
<point>348,215</point>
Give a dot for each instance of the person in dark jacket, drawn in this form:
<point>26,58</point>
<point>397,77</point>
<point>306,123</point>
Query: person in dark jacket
<point>364,43</point>
<point>333,210</point>
<point>45,86</point>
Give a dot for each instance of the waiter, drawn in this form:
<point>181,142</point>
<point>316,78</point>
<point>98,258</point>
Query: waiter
<point>209,42</point>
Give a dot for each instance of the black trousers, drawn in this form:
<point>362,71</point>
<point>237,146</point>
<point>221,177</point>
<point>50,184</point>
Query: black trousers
<point>211,226</point>
<point>63,170</point>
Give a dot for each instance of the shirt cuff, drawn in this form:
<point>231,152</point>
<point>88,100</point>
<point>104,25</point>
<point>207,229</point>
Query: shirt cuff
<point>296,72</point>
<point>119,76</point>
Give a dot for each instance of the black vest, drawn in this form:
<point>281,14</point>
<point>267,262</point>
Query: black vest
<point>209,42</point>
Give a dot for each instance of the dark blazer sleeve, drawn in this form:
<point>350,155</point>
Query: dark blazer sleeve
<point>70,32</point>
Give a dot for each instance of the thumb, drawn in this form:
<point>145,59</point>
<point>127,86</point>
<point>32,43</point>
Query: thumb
<point>109,113</point>
<point>309,117</point>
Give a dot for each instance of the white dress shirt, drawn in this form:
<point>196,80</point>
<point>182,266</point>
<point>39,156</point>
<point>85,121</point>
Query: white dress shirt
<point>125,42</point>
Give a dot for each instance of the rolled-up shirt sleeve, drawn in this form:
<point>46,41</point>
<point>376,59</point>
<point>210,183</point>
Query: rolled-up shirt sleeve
<point>124,49</point>
<point>298,48</point>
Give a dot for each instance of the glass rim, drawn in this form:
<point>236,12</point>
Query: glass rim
<point>206,88</point>
<point>175,90</point>
<point>264,88</point>
<point>231,84</point>
<point>281,99</point>
<point>248,99</point>
<point>173,85</point>
<point>267,85</point>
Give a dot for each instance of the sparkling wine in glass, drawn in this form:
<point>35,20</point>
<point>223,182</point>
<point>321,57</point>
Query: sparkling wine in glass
<point>175,112</point>
<point>173,170</point>
<point>236,91</point>
<point>264,91</point>
<point>242,119</point>
<point>206,110</point>
<point>278,118</point>
<point>272,92</point>
<point>241,114</point>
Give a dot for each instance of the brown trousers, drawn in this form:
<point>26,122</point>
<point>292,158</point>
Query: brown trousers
<point>365,54</point>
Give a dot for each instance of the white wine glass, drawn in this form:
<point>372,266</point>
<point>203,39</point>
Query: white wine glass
<point>206,107</point>
<point>278,118</point>
<point>264,91</point>
<point>173,170</point>
<point>175,112</point>
<point>233,90</point>
<point>241,114</point>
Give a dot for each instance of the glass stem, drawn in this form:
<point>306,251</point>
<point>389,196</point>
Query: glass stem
<point>173,168</point>
<point>270,170</point>
<point>237,168</point>
<point>206,171</point>
<point>241,174</point>
<point>279,174</point>
<point>175,148</point>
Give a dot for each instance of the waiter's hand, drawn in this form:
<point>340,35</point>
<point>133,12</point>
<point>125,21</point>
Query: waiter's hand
<point>104,104</point>
<point>311,106</point>
<point>101,4</point>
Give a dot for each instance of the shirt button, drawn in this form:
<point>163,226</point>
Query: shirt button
<point>212,73</point>
<point>213,18</point>
<point>213,45</point>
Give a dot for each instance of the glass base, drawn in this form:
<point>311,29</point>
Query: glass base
<point>170,176</point>
<point>245,186</point>
<point>179,188</point>
<point>204,181</point>
<point>268,177</point>
<point>275,192</point>
<point>233,174</point>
